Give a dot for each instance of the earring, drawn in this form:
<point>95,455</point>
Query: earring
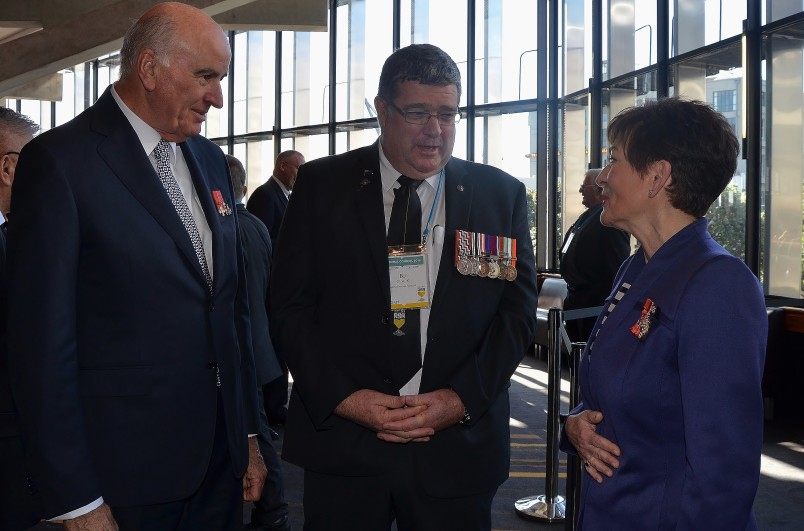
<point>650,192</point>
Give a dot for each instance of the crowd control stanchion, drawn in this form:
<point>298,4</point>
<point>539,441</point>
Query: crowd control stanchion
<point>549,507</point>
<point>573,463</point>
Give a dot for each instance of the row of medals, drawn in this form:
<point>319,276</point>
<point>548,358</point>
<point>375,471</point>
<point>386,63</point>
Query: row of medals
<point>483,266</point>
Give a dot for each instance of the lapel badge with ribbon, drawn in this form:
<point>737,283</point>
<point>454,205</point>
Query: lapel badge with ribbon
<point>650,312</point>
<point>220,205</point>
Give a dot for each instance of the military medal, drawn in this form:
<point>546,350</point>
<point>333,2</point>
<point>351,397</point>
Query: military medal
<point>220,205</point>
<point>494,270</point>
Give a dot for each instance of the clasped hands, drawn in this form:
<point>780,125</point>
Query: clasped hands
<point>599,454</point>
<point>402,419</point>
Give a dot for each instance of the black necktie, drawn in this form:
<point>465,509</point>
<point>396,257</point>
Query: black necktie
<point>405,228</point>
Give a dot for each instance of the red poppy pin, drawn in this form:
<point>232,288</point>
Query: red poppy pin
<point>650,312</point>
<point>220,204</point>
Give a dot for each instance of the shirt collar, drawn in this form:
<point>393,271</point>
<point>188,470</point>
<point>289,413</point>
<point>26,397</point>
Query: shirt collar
<point>148,136</point>
<point>281,186</point>
<point>390,175</point>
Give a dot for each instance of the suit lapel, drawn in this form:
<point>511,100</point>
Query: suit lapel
<point>201,183</point>
<point>367,186</point>
<point>123,153</point>
<point>280,194</point>
<point>457,204</point>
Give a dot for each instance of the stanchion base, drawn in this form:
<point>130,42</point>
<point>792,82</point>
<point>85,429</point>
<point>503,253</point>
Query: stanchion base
<point>540,508</point>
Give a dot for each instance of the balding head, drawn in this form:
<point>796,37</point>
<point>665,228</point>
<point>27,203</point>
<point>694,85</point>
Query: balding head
<point>172,62</point>
<point>590,191</point>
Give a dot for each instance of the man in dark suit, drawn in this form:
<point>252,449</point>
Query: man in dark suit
<point>16,504</point>
<point>130,357</point>
<point>268,202</point>
<point>368,379</point>
<point>591,255</point>
<point>271,510</point>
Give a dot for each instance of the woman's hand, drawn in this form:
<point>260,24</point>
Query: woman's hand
<point>599,454</point>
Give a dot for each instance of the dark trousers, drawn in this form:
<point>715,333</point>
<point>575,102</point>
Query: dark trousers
<point>217,504</point>
<point>271,506</point>
<point>16,503</point>
<point>338,502</point>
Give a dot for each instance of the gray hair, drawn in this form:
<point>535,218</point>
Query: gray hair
<point>14,124</point>
<point>156,32</point>
<point>238,175</point>
<point>424,63</point>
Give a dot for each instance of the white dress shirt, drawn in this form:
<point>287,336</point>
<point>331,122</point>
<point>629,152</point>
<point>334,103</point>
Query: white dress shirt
<point>435,241</point>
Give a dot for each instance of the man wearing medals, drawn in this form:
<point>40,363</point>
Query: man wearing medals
<point>404,296</point>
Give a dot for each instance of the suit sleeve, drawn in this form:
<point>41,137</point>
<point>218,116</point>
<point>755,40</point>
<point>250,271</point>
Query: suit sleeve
<point>722,328</point>
<point>484,375</point>
<point>43,273</point>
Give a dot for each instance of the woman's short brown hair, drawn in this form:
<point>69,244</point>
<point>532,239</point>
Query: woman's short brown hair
<point>697,141</point>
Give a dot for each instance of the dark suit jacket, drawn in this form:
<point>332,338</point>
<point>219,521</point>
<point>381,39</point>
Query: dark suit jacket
<point>684,404</point>
<point>114,330</point>
<point>9,424</point>
<point>331,306</point>
<point>590,263</point>
<point>257,251</point>
<point>268,203</point>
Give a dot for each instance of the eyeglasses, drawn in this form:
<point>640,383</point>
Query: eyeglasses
<point>10,153</point>
<point>421,117</point>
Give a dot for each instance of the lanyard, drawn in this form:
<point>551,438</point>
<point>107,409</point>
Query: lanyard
<point>426,230</point>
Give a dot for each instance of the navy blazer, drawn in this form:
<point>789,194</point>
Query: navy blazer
<point>331,307</point>
<point>114,334</point>
<point>685,403</point>
<point>257,251</point>
<point>268,202</point>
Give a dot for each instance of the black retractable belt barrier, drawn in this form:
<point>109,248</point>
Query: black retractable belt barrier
<point>573,462</point>
<point>549,507</point>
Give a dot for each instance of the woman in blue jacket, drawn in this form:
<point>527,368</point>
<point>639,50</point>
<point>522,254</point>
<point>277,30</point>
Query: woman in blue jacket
<point>670,424</point>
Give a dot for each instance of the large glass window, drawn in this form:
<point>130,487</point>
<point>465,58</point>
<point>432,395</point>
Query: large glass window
<point>629,36</point>
<point>697,23</point>
<point>783,181</point>
<point>505,49</point>
<point>254,80</point>
<point>364,42</point>
<point>578,45</point>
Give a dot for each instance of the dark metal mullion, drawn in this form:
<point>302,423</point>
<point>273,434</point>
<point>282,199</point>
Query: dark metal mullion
<point>662,48</point>
<point>469,84</point>
<point>753,141</point>
<point>230,99</point>
<point>278,95</point>
<point>551,134</point>
<point>333,41</point>
<point>595,90</point>
<point>544,196</point>
<point>397,25</point>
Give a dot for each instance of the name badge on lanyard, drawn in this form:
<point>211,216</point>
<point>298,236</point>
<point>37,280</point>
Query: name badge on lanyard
<point>410,284</point>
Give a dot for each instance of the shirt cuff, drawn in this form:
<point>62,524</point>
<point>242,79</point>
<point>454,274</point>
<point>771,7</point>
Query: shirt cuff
<point>80,511</point>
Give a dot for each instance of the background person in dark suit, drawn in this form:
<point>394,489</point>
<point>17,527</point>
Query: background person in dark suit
<point>271,510</point>
<point>359,394</point>
<point>129,345</point>
<point>16,504</point>
<point>268,202</point>
<point>590,257</point>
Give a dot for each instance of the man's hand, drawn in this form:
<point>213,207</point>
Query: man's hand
<point>599,454</point>
<point>372,409</point>
<point>99,519</point>
<point>436,410</point>
<point>254,478</point>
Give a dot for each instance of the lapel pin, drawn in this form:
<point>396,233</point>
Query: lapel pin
<point>366,179</point>
<point>460,188</point>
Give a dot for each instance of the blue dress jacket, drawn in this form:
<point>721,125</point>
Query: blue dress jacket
<point>684,404</point>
